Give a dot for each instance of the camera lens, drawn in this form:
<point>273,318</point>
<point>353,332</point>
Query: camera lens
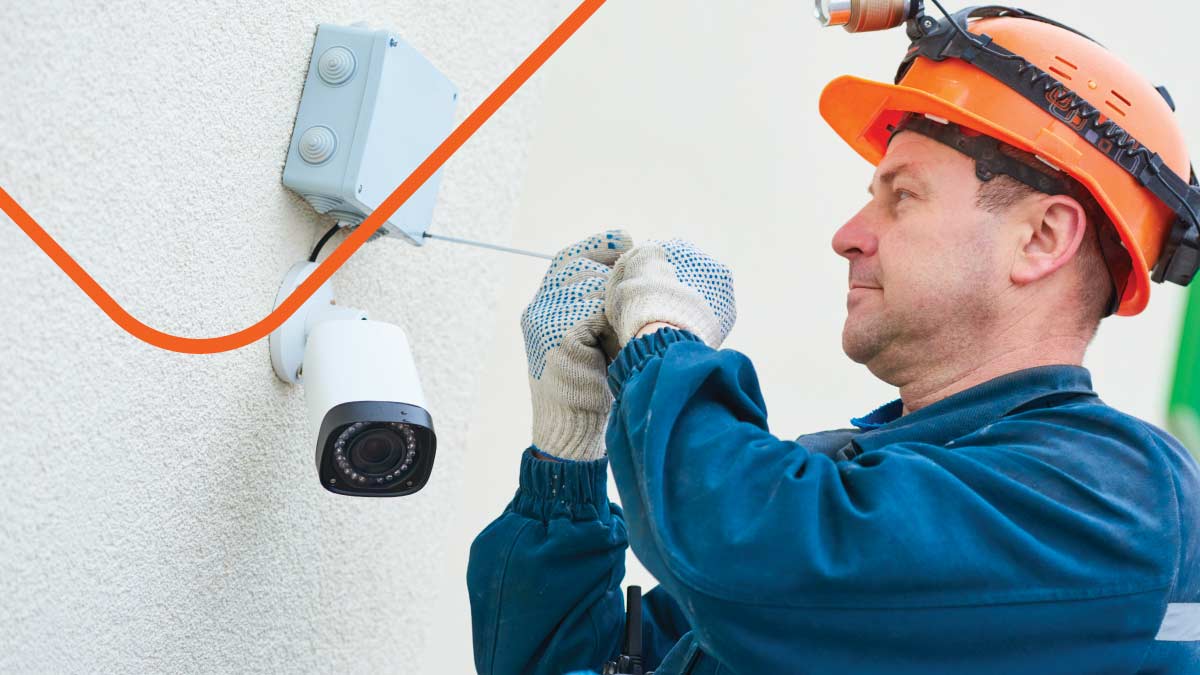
<point>375,454</point>
<point>376,451</point>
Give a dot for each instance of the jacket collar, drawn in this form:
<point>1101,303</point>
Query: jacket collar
<point>970,409</point>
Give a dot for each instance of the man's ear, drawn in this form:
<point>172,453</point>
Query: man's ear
<point>1055,226</point>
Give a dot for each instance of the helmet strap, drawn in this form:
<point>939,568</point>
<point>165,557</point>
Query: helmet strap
<point>990,159</point>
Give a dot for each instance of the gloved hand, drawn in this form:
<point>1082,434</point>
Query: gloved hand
<point>568,343</point>
<point>671,282</point>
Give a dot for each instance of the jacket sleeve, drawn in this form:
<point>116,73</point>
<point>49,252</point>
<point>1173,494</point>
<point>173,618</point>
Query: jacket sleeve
<point>779,556</point>
<point>545,578</point>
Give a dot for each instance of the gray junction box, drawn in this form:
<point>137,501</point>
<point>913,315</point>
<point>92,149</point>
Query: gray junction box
<point>372,110</point>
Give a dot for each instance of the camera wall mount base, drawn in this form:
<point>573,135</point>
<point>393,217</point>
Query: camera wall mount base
<point>287,342</point>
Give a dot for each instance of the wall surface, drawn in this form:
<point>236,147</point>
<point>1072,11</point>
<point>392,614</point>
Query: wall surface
<point>160,511</point>
<point>699,119</point>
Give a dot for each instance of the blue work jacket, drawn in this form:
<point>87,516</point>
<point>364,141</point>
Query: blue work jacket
<point>1020,526</point>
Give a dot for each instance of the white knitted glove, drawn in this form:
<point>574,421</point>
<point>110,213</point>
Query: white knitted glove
<point>568,343</point>
<point>671,282</point>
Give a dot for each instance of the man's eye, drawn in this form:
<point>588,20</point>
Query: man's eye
<point>902,195</point>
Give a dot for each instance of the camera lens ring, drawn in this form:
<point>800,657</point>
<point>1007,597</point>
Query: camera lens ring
<point>375,454</point>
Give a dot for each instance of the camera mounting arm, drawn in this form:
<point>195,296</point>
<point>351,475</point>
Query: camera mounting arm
<point>287,342</point>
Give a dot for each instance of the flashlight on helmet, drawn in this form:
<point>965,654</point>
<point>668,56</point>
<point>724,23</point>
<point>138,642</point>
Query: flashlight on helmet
<point>858,16</point>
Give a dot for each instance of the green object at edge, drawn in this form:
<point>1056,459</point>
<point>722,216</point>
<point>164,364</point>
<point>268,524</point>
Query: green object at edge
<point>1183,415</point>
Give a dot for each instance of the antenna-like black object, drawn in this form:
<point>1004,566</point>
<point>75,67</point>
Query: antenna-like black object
<point>630,660</point>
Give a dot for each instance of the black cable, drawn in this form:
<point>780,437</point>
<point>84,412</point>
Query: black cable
<point>971,38</point>
<point>317,250</point>
<point>990,11</point>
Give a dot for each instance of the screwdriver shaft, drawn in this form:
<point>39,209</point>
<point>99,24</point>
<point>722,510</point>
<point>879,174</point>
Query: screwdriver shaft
<point>494,247</point>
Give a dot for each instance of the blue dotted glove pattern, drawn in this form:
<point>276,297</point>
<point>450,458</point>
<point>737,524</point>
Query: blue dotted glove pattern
<point>710,278</point>
<point>571,292</point>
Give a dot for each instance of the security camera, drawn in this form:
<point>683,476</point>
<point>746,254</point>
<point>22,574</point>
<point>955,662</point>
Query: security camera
<point>366,410</point>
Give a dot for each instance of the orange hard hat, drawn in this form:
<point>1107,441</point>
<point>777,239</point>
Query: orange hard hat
<point>864,113</point>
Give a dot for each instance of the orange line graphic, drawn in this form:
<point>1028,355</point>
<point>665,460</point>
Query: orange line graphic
<point>342,253</point>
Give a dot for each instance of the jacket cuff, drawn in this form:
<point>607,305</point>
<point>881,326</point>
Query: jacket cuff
<point>563,489</point>
<point>640,350</point>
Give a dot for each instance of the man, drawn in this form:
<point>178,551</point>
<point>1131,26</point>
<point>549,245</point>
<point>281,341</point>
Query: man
<point>997,518</point>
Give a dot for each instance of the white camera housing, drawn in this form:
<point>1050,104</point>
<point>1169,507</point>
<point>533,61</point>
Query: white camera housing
<point>366,409</point>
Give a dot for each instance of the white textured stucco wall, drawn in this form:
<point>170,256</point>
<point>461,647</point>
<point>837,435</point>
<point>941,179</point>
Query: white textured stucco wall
<point>160,511</point>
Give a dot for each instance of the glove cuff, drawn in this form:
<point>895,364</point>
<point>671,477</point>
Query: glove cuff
<point>568,433</point>
<point>667,303</point>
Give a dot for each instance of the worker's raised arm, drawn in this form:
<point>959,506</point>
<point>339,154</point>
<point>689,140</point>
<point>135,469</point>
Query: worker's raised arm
<point>545,577</point>
<point>987,537</point>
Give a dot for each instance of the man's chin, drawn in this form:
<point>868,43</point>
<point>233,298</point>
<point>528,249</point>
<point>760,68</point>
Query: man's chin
<point>854,350</point>
<point>859,344</point>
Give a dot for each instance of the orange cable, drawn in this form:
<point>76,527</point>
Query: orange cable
<point>342,253</point>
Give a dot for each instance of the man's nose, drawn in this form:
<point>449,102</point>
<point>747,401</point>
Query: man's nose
<point>856,237</point>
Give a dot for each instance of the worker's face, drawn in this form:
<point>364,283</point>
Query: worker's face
<point>926,268</point>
